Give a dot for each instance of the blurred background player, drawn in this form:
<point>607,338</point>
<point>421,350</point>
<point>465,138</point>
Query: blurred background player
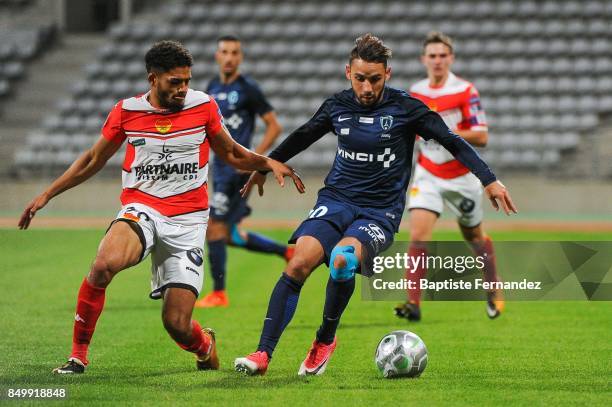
<point>164,200</point>
<point>359,209</point>
<point>439,178</point>
<point>240,100</point>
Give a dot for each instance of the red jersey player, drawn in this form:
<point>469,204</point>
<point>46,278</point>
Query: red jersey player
<point>169,131</point>
<point>440,179</point>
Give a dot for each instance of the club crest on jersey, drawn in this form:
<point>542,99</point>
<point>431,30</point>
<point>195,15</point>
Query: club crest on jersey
<point>386,122</point>
<point>163,125</point>
<point>232,97</point>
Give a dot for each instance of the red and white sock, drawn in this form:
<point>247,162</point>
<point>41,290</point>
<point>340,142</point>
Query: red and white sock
<point>200,343</point>
<point>90,303</point>
<point>416,250</point>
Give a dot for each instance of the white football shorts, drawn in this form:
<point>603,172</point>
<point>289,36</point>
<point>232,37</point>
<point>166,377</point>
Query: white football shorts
<point>176,245</point>
<point>462,195</point>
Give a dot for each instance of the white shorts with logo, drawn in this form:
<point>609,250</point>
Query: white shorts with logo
<point>175,243</point>
<point>463,195</point>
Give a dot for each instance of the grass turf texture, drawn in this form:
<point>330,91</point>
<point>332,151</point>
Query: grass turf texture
<point>545,352</point>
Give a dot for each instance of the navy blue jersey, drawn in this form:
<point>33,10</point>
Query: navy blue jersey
<point>375,144</point>
<point>240,101</point>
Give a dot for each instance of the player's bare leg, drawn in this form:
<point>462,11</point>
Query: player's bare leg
<point>119,249</point>
<point>283,302</point>
<point>422,222</point>
<point>345,259</point>
<point>186,332</point>
<point>483,246</point>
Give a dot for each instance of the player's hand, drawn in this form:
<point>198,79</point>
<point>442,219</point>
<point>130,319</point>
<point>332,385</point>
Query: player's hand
<point>256,178</point>
<point>497,193</point>
<point>281,171</point>
<point>37,203</point>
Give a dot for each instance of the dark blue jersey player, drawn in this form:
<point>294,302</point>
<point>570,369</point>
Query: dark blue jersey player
<point>360,207</point>
<point>241,101</point>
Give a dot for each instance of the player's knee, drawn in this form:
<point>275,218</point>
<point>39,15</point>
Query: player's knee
<point>420,235</point>
<point>298,268</point>
<point>473,235</point>
<point>343,263</point>
<point>217,230</point>
<point>339,262</point>
<point>101,272</point>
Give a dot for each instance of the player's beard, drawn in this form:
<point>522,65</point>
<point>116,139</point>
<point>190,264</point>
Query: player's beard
<point>374,100</point>
<point>168,102</point>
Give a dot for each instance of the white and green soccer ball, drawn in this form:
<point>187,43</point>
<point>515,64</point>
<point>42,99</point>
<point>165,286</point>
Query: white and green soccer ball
<point>401,354</point>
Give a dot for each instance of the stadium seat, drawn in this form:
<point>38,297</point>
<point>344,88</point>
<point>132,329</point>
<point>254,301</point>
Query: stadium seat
<point>542,68</point>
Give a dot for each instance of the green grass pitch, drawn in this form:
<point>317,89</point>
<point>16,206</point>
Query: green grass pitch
<point>552,353</point>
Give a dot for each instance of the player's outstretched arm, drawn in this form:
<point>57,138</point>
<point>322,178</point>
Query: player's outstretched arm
<point>242,158</point>
<point>89,163</point>
<point>431,126</point>
<point>498,194</point>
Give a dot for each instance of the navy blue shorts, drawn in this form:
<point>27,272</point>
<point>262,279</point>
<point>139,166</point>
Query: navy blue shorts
<point>330,220</point>
<point>226,204</point>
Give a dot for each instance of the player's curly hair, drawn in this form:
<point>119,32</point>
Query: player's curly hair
<point>371,49</point>
<point>437,37</point>
<point>166,55</point>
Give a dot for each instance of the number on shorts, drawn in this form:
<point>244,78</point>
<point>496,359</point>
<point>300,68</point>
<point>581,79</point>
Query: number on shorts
<point>317,212</point>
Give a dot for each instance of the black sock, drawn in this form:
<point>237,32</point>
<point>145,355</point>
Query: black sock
<point>260,243</point>
<point>281,308</point>
<point>337,296</point>
<point>217,256</point>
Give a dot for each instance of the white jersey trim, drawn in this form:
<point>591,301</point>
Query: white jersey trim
<point>453,85</point>
<point>141,104</point>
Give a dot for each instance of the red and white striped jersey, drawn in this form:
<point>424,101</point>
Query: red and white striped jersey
<point>458,103</point>
<point>166,160</point>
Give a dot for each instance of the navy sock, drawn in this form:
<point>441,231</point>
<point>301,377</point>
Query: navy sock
<point>337,296</point>
<point>281,308</point>
<point>217,256</point>
<point>260,243</point>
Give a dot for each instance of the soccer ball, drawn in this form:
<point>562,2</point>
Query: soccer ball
<point>401,354</point>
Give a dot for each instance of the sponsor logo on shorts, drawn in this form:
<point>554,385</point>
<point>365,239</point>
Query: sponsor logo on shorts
<point>196,256</point>
<point>163,125</point>
<point>467,205</point>
<point>374,231</point>
<point>414,191</point>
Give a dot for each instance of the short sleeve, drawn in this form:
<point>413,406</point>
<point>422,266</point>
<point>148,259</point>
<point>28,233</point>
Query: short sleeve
<point>215,118</point>
<point>257,101</point>
<point>112,130</point>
